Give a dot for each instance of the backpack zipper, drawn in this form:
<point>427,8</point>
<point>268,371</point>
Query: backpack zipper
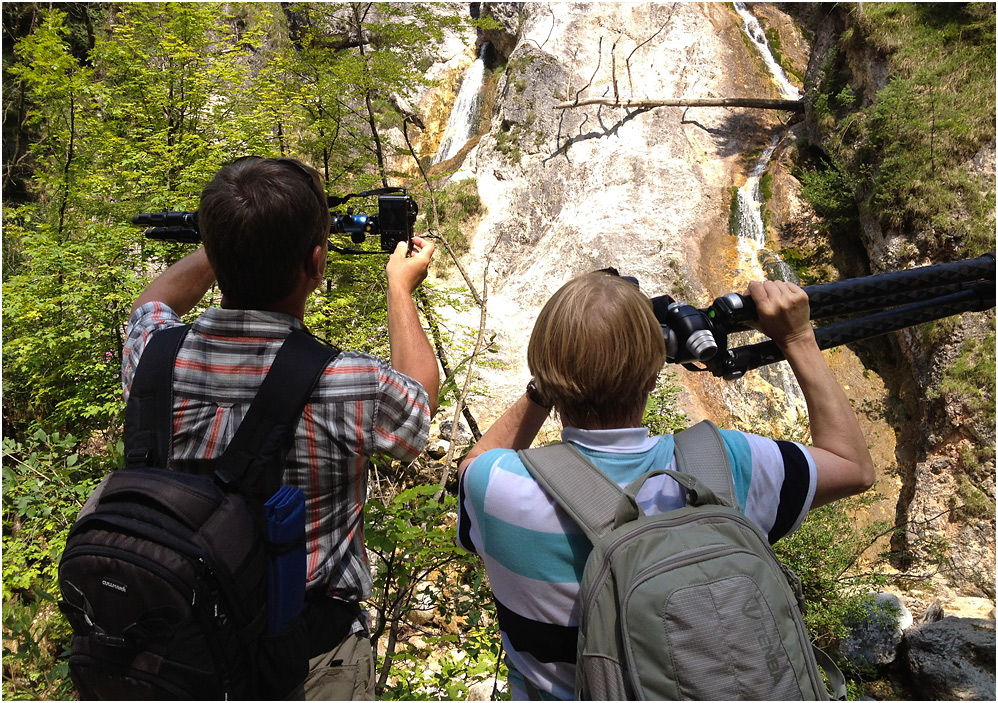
<point>619,542</point>
<point>184,547</point>
<point>144,562</point>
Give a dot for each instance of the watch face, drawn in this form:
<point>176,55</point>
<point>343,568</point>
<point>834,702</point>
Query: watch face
<point>535,395</point>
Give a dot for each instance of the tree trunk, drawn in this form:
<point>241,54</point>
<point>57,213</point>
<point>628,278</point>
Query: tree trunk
<point>760,103</point>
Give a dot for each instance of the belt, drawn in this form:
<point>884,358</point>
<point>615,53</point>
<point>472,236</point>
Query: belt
<point>328,621</point>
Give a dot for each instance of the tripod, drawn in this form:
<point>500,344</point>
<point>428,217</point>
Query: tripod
<point>894,300</point>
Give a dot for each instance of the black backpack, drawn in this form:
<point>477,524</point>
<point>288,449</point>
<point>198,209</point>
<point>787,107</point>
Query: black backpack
<point>165,573</point>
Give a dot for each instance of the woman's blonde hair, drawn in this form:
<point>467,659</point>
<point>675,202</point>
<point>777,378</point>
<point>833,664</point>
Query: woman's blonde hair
<point>595,351</point>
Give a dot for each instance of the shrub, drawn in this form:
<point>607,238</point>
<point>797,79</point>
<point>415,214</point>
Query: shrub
<point>824,553</point>
<point>46,480</point>
<point>663,414</point>
<point>418,566</point>
<point>458,204</point>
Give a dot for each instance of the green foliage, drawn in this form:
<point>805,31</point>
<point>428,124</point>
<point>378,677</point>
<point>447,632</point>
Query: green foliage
<point>350,311</point>
<point>420,674</point>
<point>766,186</point>
<point>733,211</point>
<point>970,502</point>
<point>486,23</point>
<point>904,156</point>
<point>339,98</point>
<point>829,553</point>
<point>663,413</point>
<point>809,263</point>
<point>45,483</point>
<point>830,193</point>
<point>34,637</point>
<point>137,127</point>
<point>971,377</point>
<point>458,203</point>
<point>765,194</point>
<point>824,553</point>
<point>418,567</point>
<point>170,91</point>
<point>508,141</point>
<point>776,49</point>
<point>138,122</point>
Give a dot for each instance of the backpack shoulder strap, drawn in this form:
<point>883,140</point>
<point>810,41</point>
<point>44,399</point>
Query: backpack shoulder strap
<point>701,452</point>
<point>587,494</point>
<point>148,430</point>
<point>269,423</point>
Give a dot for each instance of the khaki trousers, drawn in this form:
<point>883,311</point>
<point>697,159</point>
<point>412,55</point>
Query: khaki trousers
<point>343,674</point>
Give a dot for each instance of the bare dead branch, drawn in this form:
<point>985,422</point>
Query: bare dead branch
<point>591,78</point>
<point>759,103</point>
<point>613,68</point>
<point>665,24</point>
<point>461,408</point>
<point>445,473</point>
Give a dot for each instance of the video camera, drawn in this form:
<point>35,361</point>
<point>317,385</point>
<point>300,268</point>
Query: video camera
<point>394,222</point>
<point>396,216</point>
<point>893,301</point>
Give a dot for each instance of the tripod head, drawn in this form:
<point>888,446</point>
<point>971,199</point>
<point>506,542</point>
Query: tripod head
<point>893,301</point>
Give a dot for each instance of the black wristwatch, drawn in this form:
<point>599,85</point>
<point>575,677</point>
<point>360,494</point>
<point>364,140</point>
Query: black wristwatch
<point>535,395</point>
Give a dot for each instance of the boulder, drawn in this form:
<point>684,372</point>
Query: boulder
<point>462,436</point>
<point>874,641</point>
<point>481,691</point>
<point>952,659</point>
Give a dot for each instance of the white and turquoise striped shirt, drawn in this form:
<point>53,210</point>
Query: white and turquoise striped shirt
<point>535,554</point>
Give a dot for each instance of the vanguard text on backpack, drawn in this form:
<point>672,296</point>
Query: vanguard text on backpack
<point>691,604</point>
<point>165,572</point>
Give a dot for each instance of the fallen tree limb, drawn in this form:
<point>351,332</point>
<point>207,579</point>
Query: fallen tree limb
<point>760,103</point>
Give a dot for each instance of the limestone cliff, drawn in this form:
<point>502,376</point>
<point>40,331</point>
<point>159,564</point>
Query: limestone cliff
<point>569,191</point>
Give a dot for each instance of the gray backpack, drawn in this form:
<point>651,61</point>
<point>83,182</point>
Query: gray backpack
<point>691,604</point>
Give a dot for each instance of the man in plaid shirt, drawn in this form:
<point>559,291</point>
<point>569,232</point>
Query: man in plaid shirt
<point>264,224</point>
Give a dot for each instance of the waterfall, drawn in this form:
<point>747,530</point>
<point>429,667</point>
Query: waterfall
<point>752,230</point>
<point>751,241</point>
<point>750,227</point>
<point>755,32</point>
<point>463,121</point>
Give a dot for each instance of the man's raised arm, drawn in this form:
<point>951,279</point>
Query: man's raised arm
<point>182,285</point>
<point>411,351</point>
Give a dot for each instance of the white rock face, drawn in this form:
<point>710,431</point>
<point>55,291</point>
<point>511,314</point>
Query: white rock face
<point>570,191</point>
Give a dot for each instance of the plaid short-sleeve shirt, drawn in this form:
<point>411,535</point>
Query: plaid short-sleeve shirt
<point>361,406</point>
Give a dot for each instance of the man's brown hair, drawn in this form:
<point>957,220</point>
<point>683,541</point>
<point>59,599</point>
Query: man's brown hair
<point>595,350</point>
<point>260,219</point>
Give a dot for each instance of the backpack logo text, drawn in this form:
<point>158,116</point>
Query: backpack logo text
<point>772,659</point>
<point>114,586</point>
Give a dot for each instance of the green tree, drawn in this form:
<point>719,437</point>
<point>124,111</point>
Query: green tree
<point>136,117</point>
<point>138,126</point>
<point>135,124</point>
